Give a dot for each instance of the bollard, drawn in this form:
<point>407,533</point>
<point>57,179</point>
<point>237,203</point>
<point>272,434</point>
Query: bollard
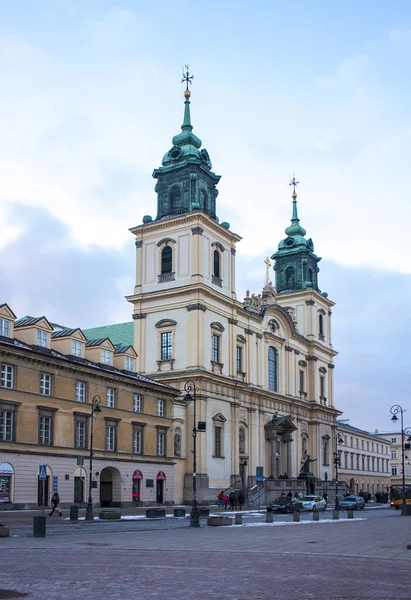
<point>350,514</point>
<point>336,514</point>
<point>316,515</point>
<point>238,519</point>
<point>74,512</point>
<point>269,517</point>
<point>39,526</point>
<point>296,516</point>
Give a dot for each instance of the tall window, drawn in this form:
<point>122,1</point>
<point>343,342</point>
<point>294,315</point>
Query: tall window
<point>137,440</point>
<point>45,384</point>
<point>42,338</point>
<point>45,430</point>
<point>110,397</point>
<point>5,327</point>
<point>217,441</point>
<point>394,470</point>
<point>7,376</point>
<point>161,443</point>
<point>216,262</point>
<point>326,444</point>
<point>272,369</point>
<point>7,425</point>
<point>111,437</point>
<point>80,391</point>
<point>166,345</point>
<point>81,434</point>
<point>302,381</point>
<point>166,260</point>
<point>137,403</point>
<point>106,357</point>
<point>393,454</point>
<point>321,324</point>
<point>239,359</point>
<point>289,278</point>
<point>160,408</point>
<point>322,389</point>
<point>129,363</point>
<point>76,348</point>
<point>216,348</point>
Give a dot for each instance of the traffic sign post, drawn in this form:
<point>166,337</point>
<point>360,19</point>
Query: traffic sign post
<point>39,522</point>
<point>42,478</point>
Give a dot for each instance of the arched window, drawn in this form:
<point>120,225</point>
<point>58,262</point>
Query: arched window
<point>321,324</point>
<point>217,264</point>
<point>289,278</point>
<point>175,201</point>
<point>177,442</point>
<point>310,276</point>
<point>272,369</point>
<point>166,260</point>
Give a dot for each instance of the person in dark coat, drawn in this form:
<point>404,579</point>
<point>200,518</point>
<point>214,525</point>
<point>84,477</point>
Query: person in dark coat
<point>55,501</point>
<point>241,500</point>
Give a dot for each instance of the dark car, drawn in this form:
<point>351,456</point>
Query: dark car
<point>352,503</point>
<point>285,504</point>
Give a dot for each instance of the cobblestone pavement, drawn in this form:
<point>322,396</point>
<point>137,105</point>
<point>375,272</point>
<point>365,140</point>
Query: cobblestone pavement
<point>327,560</point>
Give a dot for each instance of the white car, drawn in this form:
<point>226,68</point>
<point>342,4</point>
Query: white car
<point>313,503</point>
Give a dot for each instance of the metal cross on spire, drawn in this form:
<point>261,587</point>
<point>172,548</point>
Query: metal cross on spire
<point>294,183</point>
<point>187,78</point>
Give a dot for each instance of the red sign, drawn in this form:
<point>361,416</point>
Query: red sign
<point>137,475</point>
<point>161,476</point>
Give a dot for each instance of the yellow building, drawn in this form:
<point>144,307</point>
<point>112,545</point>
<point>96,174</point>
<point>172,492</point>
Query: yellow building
<point>49,377</point>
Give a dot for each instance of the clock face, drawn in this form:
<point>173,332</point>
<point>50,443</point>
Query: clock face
<point>289,242</point>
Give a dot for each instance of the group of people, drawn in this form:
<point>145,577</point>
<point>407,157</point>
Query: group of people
<point>233,500</point>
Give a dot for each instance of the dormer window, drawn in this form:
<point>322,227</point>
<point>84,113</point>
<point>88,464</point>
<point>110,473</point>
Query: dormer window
<point>5,327</point>
<point>129,363</point>
<point>42,338</point>
<point>106,357</point>
<point>76,348</point>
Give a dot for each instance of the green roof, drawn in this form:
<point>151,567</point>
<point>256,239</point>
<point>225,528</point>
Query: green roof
<point>121,334</point>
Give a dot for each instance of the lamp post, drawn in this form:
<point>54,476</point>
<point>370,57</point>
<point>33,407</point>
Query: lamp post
<point>337,462</point>
<point>95,409</point>
<point>394,410</point>
<point>190,389</point>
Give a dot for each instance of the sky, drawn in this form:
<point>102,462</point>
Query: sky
<point>90,97</point>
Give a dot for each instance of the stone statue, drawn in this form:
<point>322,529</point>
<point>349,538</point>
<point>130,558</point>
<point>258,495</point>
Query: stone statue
<point>306,466</point>
<point>267,272</point>
<point>177,444</point>
<point>241,439</point>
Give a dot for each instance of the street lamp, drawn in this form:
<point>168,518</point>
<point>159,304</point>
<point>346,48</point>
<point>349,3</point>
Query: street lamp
<point>190,389</point>
<point>95,409</point>
<point>337,463</point>
<point>394,410</point>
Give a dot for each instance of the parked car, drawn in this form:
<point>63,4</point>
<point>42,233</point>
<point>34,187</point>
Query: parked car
<point>313,503</point>
<point>352,503</point>
<point>285,504</point>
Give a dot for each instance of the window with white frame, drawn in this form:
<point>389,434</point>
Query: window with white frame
<point>137,403</point>
<point>110,397</point>
<point>45,429</point>
<point>45,384</point>
<point>393,440</point>
<point>161,443</point>
<point>160,408</point>
<point>7,376</point>
<point>80,440</point>
<point>326,449</point>
<point>218,433</point>
<point>106,357</point>
<point>5,327</point>
<point>216,348</point>
<point>322,388</point>
<point>42,338</point>
<point>80,391</point>
<point>239,359</point>
<point>7,424</point>
<point>272,369</point>
<point>167,345</point>
<point>302,382</point>
<point>137,440</point>
<point>77,348</point>
<point>111,437</point>
<point>393,454</point>
<point>129,363</point>
<point>394,470</point>
<point>217,441</point>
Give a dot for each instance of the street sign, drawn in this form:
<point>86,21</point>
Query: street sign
<point>42,472</point>
<point>55,483</point>
<point>259,474</point>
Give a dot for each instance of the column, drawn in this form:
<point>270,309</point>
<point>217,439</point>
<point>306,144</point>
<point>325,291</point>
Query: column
<point>139,266</point>
<point>288,441</point>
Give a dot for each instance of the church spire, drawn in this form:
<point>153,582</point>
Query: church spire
<point>295,227</point>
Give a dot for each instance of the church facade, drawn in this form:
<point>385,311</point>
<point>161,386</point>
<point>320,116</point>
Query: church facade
<point>262,367</point>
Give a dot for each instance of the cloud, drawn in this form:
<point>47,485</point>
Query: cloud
<point>400,36</point>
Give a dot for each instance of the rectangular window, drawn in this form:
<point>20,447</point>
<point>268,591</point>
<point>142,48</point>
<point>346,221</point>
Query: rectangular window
<point>358,462</point>
<point>137,439</point>
<point>216,348</point>
<point>217,441</point>
<point>111,438</point>
<point>302,381</point>
<point>239,359</point>
<point>110,397</point>
<point>106,357</point>
<point>362,444</point>
<point>45,424</point>
<point>80,391</point>
<point>81,434</point>
<point>393,454</point>
<point>368,463</point>
<point>166,345</point>
<point>7,376</point>
<point>45,384</point>
<point>322,388</point>
<point>363,463</point>
<point>76,348</point>
<point>352,442</point>
<point>161,443</point>
<point>394,470</point>
<point>42,338</point>
<point>5,327</point>
<point>352,462</point>
<point>137,403</point>
<point>160,408</point>
<point>393,440</point>
<point>6,425</point>
<point>129,363</point>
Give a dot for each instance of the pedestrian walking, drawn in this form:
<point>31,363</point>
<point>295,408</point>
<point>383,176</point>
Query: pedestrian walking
<point>55,501</point>
<point>220,498</point>
<point>325,496</point>
<point>231,499</point>
<point>225,501</point>
<point>241,499</point>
